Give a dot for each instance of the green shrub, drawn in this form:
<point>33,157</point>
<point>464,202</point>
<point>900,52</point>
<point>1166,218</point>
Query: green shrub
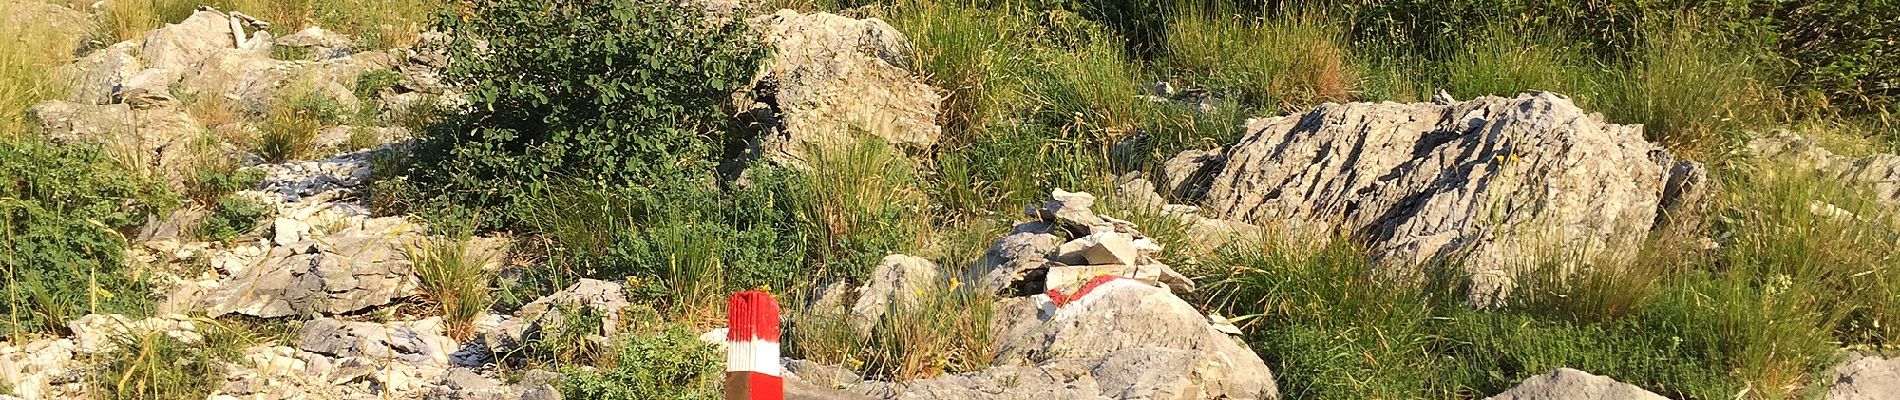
<point>670,364</point>
<point>61,209</point>
<point>607,93</point>
<point>233,216</point>
<point>370,85</point>
<point>685,248</point>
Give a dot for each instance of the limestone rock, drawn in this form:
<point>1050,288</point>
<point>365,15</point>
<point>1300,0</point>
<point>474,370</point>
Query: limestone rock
<point>146,89</point>
<point>1008,382</point>
<point>1137,341</point>
<point>1070,277</point>
<point>341,273</point>
<point>182,46</point>
<point>833,79</point>
<point>337,338</point>
<point>66,122</point>
<point>1570,384</point>
<point>95,333</point>
<point>97,77</point>
<point>895,283</point>
<point>1490,182</point>
<point>608,298</point>
<point>1879,173</point>
<point>1866,377</point>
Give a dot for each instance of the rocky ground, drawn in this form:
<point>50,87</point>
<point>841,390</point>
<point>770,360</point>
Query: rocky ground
<point>1087,309</point>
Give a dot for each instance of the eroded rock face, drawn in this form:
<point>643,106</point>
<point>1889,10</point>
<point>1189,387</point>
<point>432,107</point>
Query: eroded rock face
<point>894,283</point>
<point>341,273</point>
<point>1495,184</point>
<point>337,338</point>
<point>833,80</point>
<point>1570,384</point>
<point>1866,377</point>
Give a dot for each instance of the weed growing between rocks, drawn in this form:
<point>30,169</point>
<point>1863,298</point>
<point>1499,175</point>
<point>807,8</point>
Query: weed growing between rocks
<point>232,216</point>
<point>670,363</point>
<point>453,279</point>
<point>289,131</point>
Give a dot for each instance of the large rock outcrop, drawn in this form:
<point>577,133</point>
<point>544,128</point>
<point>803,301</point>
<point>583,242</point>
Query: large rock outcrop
<point>833,80</point>
<point>1497,185</point>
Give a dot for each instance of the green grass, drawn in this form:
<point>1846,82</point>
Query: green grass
<point>157,366</point>
<point>454,281</point>
<point>1282,64</point>
<point>375,24</point>
<point>290,125</point>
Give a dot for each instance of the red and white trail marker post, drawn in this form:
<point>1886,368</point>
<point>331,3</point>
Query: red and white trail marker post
<point>752,368</point>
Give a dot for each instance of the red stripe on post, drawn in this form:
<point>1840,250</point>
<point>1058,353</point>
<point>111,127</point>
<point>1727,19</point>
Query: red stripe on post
<point>752,315</point>
<point>752,366</point>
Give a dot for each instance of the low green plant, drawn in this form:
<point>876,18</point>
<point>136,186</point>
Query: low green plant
<point>452,279</point>
<point>61,211</point>
<point>370,85</point>
<point>668,364</point>
<point>1505,63</point>
<point>233,216</point>
<point>211,181</point>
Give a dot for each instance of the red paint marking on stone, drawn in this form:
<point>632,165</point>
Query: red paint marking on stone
<point>1056,296</point>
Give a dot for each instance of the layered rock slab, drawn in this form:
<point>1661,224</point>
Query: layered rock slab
<point>1495,184</point>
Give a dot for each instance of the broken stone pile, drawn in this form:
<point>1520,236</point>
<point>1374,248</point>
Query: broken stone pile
<point>1087,312</point>
<point>1492,183</point>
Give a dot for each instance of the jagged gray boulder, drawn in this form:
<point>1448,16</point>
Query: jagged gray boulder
<point>1495,184</point>
<point>1866,377</point>
<point>341,339</point>
<point>182,46</point>
<point>339,273</point>
<point>894,284</point>
<point>1570,384</point>
<point>833,80</point>
<point>1136,341</point>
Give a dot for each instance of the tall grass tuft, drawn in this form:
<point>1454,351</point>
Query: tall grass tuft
<point>1692,84</point>
<point>1505,62</point>
<point>947,330</point>
<point>856,204</point>
<point>1284,63</point>
<point>453,279</point>
<point>32,50</point>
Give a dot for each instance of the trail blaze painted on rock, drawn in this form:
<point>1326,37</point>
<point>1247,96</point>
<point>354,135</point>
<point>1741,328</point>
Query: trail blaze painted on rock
<point>1056,296</point>
<point>752,367</point>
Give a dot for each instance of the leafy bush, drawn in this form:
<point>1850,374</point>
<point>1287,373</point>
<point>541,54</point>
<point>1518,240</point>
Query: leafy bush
<point>60,211</point>
<point>670,364</point>
<point>232,217</point>
<point>606,93</point>
<point>211,181</point>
